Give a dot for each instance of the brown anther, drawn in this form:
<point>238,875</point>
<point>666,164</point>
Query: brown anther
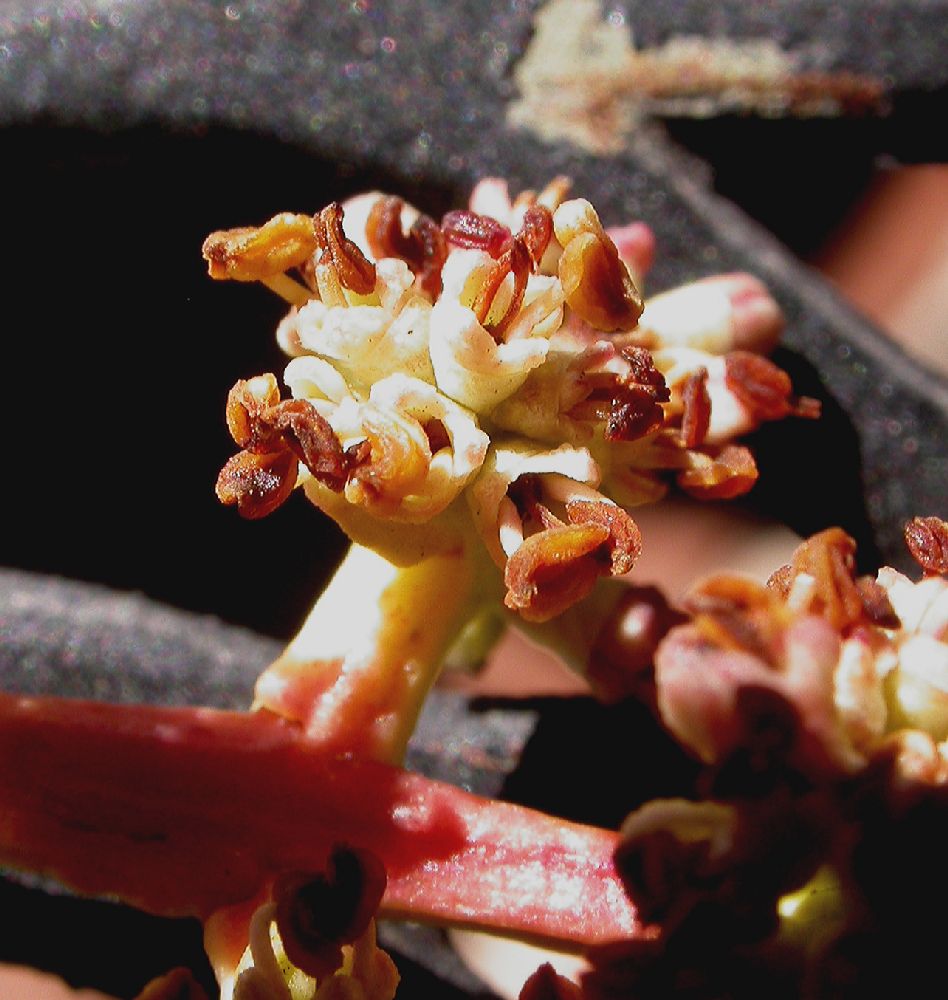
<point>764,389</point>
<point>254,254</point>
<point>635,410</point>
<point>736,613</point>
<point>597,284</point>
<point>423,247</point>
<point>696,412</point>
<point>476,232</point>
<point>384,232</point>
<point>927,540</point>
<point>260,423</point>
<point>434,252</point>
<point>257,483</point>
<point>536,232</point>
<point>552,570</point>
<point>393,466</point>
<point>624,542</point>
<point>723,475</point>
<point>514,260</point>
<point>829,558</point>
<point>312,440</point>
<point>317,913</point>
<point>559,565</point>
<point>547,984</point>
<point>275,436</point>
<point>352,268</point>
<point>246,402</point>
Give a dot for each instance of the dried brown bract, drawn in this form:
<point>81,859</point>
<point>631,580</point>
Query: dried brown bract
<point>423,247</point>
<point>927,540</point>
<point>255,254</point>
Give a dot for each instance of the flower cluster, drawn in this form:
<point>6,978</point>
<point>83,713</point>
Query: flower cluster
<point>814,853</point>
<point>498,367</point>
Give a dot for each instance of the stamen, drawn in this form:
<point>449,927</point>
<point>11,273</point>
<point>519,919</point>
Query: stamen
<point>289,290</point>
<point>509,527</point>
<point>563,489</point>
<point>265,964</point>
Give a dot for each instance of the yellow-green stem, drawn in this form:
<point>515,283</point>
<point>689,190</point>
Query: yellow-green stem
<point>358,672</point>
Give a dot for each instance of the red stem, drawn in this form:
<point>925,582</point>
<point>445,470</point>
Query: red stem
<point>181,811</point>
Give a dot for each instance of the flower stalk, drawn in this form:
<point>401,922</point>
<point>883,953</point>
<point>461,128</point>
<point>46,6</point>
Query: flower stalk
<point>357,674</point>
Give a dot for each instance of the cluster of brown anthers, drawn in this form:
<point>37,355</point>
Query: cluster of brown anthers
<point>442,372</point>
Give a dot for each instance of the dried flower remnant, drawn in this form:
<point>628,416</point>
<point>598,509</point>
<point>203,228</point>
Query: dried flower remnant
<point>582,79</point>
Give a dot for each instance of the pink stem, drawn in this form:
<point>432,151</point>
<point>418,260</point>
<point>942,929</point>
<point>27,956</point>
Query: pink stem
<point>181,811</point>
